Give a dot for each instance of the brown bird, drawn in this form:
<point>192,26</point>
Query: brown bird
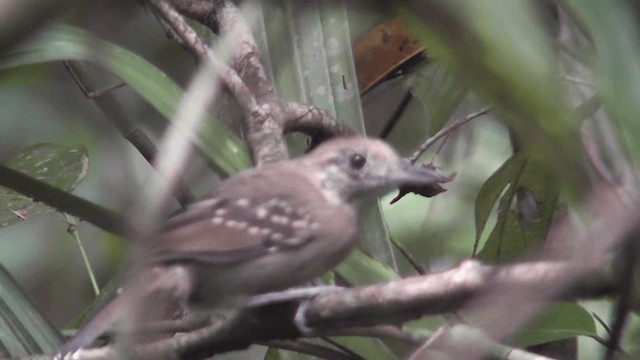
<point>264,229</point>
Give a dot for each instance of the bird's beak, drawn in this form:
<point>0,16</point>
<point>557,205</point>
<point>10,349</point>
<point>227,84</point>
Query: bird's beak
<point>416,175</point>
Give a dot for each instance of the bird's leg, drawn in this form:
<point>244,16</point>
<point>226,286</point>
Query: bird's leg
<point>191,321</point>
<point>290,295</point>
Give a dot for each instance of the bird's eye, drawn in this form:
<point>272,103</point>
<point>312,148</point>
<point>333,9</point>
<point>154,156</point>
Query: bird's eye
<point>357,161</point>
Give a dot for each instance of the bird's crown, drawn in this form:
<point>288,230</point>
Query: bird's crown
<point>351,167</point>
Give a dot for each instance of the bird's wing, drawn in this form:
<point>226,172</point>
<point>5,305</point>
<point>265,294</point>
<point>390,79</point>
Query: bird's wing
<point>241,220</point>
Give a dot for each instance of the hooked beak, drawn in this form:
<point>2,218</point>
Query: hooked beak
<point>416,175</point>
<point>423,180</point>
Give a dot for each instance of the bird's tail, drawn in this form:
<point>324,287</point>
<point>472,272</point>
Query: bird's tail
<point>98,326</point>
<point>154,294</point>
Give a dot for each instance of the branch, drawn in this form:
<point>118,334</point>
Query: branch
<point>313,121</point>
<point>189,39</point>
<point>444,132</point>
<point>391,303</point>
<point>413,297</point>
<point>66,202</point>
<point>128,128</point>
<point>267,116</point>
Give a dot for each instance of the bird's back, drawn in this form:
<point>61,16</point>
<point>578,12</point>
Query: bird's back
<point>257,220</point>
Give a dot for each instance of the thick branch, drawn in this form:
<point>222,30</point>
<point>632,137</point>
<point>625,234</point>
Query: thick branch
<point>413,297</point>
<point>391,303</point>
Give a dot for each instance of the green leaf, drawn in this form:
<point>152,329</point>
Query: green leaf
<point>361,269</point>
<point>439,91</point>
<point>491,190</point>
<point>503,53</point>
<point>614,31</point>
<point>525,211</point>
<point>559,321</point>
<point>60,166</point>
<point>215,141</point>
<point>367,348</point>
<point>272,354</point>
<point>23,329</point>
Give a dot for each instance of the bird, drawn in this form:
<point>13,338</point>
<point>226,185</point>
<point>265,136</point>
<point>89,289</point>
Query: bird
<point>263,230</point>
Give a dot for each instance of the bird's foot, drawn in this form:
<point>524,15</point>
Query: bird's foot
<point>290,295</point>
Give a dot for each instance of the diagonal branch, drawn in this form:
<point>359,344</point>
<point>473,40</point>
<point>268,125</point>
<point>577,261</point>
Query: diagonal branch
<point>358,308</point>
<point>267,116</point>
<point>64,201</point>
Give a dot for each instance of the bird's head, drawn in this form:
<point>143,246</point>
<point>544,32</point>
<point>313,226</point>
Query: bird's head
<point>355,167</point>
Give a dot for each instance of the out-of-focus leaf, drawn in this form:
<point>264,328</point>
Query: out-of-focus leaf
<point>361,269</point>
<point>272,354</point>
<point>61,166</point>
<point>502,52</point>
<point>491,190</point>
<point>439,91</point>
<point>559,321</point>
<point>525,212</point>
<point>588,107</point>
<point>614,31</point>
<point>23,329</point>
<point>367,348</point>
<point>20,18</point>
<point>58,43</point>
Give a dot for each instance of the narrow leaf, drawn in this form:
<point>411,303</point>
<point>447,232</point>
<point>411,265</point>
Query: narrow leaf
<point>61,42</point>
<point>491,190</point>
<point>23,329</point>
<point>560,321</point>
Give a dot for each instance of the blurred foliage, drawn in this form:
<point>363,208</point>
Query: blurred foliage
<point>549,70</point>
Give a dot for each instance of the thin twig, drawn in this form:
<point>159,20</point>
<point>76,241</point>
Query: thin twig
<point>128,128</point>
<point>419,352</point>
<point>626,285</point>
<point>188,37</point>
<point>407,254</point>
<point>444,132</point>
<point>72,229</point>
<point>393,120</point>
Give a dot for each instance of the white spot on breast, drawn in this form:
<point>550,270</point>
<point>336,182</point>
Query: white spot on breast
<point>254,230</point>
<point>261,213</point>
<point>281,220</point>
<point>221,212</point>
<point>243,202</point>
<point>299,224</point>
<point>293,241</point>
